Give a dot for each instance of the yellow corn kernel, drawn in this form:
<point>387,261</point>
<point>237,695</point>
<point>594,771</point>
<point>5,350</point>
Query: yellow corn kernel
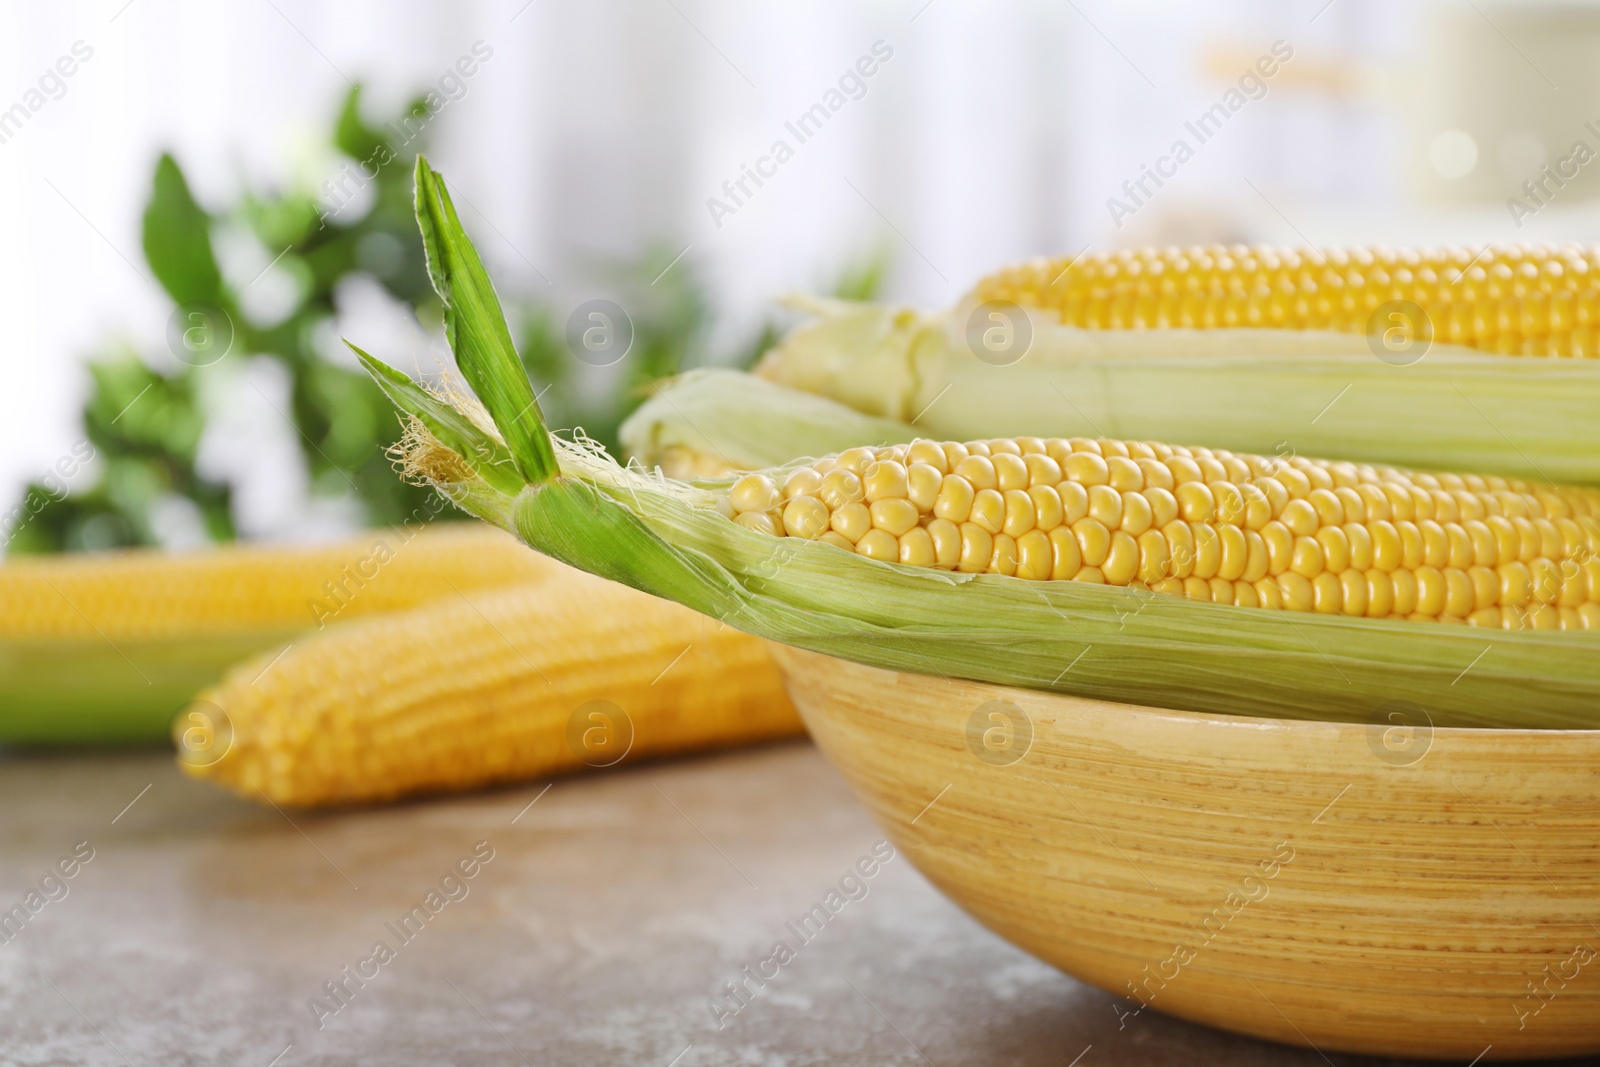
<point>1430,591</point>
<point>760,522</point>
<point>753,492</point>
<point>852,521</point>
<point>830,538</point>
<point>1155,557</point>
<point>1094,541</point>
<point>894,516</point>
<point>1380,594</point>
<point>1155,474</point>
<point>1353,592</point>
<point>1047,508</point>
<point>1066,558</point>
<point>1300,517</point>
<point>946,537</point>
<point>1256,566</point>
<point>988,510</point>
<point>805,516</point>
<point>1035,557</point>
<point>804,482</point>
<point>978,471</point>
<point>1042,470</point>
<point>879,545</point>
<point>1121,564</point>
<point>1280,546</point>
<point>977,547</point>
<point>1230,503</point>
<point>1233,553</point>
<point>1074,501</point>
<point>954,503</point>
<point>1296,592</point>
<point>1105,506</point>
<point>1020,516</point>
<point>930,453</point>
<point>1124,475</point>
<point>1137,514</point>
<point>1003,557</point>
<point>1207,550</point>
<point>855,460</point>
<point>1196,502</point>
<point>923,482</point>
<point>1335,548</point>
<point>1405,591</point>
<point>1010,472</point>
<point>840,487</point>
<point>1307,559</point>
<point>1086,469</point>
<point>885,480</point>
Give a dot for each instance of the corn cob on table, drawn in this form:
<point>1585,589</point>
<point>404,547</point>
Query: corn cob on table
<point>105,648</point>
<point>496,686</point>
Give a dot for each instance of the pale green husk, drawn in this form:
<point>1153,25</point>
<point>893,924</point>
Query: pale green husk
<point>748,423</point>
<point>667,538</point>
<point>1272,392</point>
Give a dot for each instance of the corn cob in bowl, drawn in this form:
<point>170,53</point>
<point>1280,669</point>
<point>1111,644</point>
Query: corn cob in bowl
<point>1023,624</point>
<point>1433,360</point>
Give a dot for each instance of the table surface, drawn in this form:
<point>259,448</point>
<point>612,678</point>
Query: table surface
<point>613,909</point>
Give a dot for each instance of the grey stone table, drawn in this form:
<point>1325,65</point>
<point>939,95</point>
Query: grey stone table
<point>601,918</point>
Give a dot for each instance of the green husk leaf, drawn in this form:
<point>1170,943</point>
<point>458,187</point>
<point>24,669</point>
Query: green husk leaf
<point>668,539</point>
<point>1273,392</point>
<point>488,457</point>
<point>463,285</point>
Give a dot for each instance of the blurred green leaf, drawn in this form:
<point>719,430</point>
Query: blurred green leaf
<point>177,239</point>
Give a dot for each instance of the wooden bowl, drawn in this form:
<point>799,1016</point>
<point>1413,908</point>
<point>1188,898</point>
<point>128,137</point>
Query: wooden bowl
<point>1390,889</point>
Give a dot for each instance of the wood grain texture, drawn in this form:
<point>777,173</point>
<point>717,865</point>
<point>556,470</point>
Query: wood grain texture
<point>1380,889</point>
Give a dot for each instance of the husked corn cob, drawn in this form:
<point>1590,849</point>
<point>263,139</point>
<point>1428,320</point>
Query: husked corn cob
<point>146,594</point>
<point>1534,300</point>
<point>1251,531</point>
<point>460,694</point>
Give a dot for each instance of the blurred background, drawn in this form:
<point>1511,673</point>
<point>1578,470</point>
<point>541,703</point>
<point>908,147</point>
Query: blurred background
<point>205,198</point>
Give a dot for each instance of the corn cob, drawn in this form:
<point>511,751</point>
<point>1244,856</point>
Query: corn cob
<point>569,499</point>
<point>1242,530</point>
<point>469,692</point>
<point>1531,300</point>
<point>1379,391</point>
<point>99,648</point>
<point>141,593</point>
